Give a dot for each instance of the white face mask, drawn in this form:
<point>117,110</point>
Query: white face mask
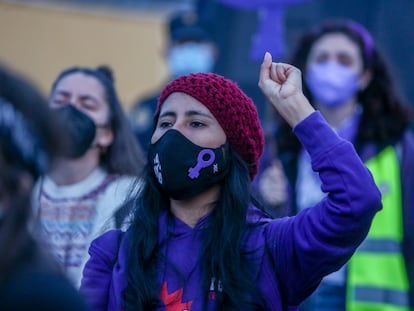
<point>332,84</point>
<point>190,57</point>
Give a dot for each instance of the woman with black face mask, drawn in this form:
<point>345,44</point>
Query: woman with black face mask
<point>198,242</point>
<point>29,279</point>
<point>88,185</point>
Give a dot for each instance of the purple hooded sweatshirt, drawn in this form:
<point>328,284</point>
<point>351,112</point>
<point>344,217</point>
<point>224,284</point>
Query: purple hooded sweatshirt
<point>289,255</point>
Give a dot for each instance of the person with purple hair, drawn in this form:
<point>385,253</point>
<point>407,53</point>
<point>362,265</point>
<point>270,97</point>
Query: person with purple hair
<point>347,80</point>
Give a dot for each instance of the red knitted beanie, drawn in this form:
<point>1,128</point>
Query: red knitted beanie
<point>233,109</point>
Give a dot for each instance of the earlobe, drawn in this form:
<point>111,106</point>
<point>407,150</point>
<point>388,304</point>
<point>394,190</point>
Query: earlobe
<point>105,138</point>
<point>365,79</point>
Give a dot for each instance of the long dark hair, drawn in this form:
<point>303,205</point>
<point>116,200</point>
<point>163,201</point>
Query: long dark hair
<point>384,117</point>
<point>221,250</point>
<point>28,134</point>
<point>124,156</point>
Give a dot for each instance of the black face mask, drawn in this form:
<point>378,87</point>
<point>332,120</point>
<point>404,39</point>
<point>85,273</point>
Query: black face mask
<point>183,169</point>
<point>80,129</point>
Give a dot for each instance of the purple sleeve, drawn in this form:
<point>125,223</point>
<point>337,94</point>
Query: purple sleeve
<point>407,180</point>
<point>320,239</point>
<point>97,273</point>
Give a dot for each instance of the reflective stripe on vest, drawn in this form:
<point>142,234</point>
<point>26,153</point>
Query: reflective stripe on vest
<point>377,276</point>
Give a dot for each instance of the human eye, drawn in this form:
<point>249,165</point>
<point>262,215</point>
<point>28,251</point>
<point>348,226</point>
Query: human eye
<point>58,100</point>
<point>197,124</point>
<point>88,104</point>
<point>321,58</point>
<point>164,123</point>
<point>345,60</point>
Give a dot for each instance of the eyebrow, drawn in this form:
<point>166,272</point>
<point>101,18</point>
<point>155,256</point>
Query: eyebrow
<point>345,53</point>
<point>82,97</point>
<point>61,92</point>
<point>188,113</point>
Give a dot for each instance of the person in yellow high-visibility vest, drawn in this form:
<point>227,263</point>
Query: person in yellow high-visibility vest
<point>347,80</point>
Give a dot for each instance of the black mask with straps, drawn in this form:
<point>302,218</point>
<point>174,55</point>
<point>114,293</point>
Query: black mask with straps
<point>184,169</point>
<point>81,130</point>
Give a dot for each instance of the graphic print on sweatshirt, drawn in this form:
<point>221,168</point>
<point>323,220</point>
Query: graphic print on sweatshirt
<point>173,301</point>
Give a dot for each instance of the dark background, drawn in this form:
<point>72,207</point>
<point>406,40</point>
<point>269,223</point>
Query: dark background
<point>390,22</point>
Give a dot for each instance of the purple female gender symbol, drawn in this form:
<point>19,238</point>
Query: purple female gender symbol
<point>194,172</point>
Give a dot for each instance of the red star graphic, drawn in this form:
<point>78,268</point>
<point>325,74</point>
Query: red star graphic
<point>173,301</point>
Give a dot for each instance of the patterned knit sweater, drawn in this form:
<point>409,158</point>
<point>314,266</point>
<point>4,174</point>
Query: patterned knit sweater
<point>71,216</point>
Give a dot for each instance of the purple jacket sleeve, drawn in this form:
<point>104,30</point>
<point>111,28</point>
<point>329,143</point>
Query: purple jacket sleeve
<point>97,274</point>
<point>407,179</point>
<point>320,239</point>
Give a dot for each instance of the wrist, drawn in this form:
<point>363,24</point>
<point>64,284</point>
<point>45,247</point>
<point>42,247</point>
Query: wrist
<point>295,109</point>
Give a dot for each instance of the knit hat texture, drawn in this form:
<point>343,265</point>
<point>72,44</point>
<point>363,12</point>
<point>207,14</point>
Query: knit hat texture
<point>233,109</point>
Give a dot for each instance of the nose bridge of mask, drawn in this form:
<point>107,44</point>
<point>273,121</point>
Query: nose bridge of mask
<point>104,125</point>
<point>171,135</point>
<point>335,72</point>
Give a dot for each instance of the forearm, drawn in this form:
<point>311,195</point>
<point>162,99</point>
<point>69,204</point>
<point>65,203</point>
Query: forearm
<point>295,109</point>
<point>320,239</point>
